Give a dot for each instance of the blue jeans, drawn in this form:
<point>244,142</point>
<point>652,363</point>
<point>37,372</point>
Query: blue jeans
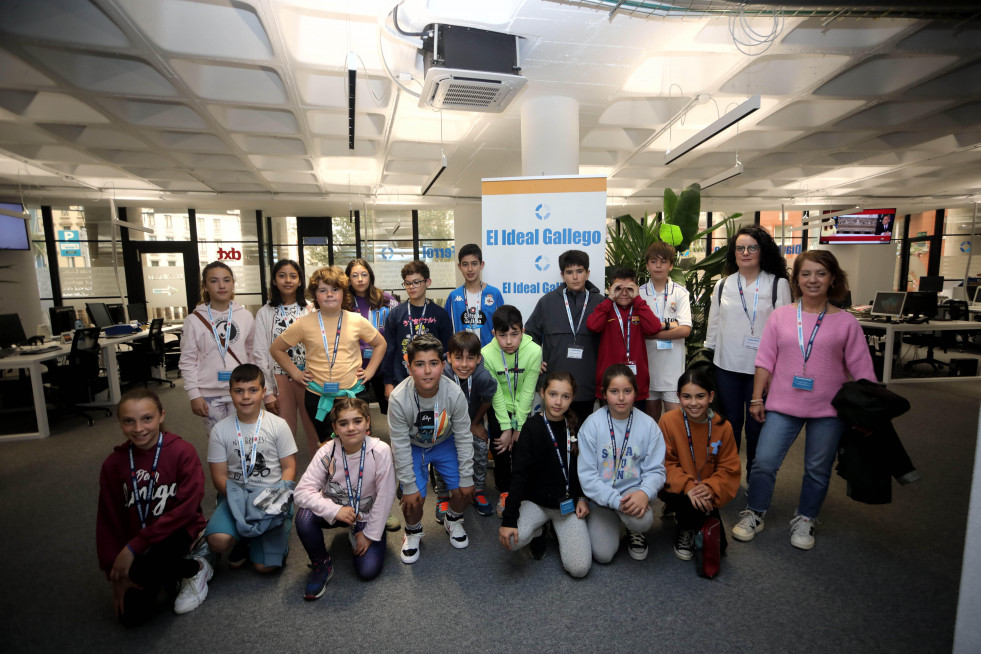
<point>735,392</point>
<point>779,433</point>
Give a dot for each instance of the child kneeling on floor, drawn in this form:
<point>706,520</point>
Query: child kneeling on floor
<point>621,467</point>
<point>253,464</point>
<point>545,482</point>
<point>331,494</point>
<point>701,462</point>
<point>150,492</point>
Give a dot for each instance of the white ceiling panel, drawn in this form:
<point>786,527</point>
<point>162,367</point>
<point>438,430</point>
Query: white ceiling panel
<point>242,84</point>
<point>334,123</point>
<point>16,73</point>
<point>49,107</point>
<point>198,161</point>
<point>884,75</point>
<point>208,29</point>
<point>270,145</point>
<point>782,74</point>
<point>891,114</point>
<point>161,115</point>
<point>857,34</point>
<point>65,21</point>
<point>266,121</point>
<point>188,141</point>
<point>330,90</point>
<point>264,162</point>
<point>962,82</point>
<point>810,113</point>
<point>104,73</point>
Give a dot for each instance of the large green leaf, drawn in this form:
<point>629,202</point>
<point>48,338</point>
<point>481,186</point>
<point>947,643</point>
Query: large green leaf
<point>670,201</point>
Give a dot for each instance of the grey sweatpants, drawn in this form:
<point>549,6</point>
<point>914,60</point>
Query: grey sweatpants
<point>604,529</point>
<point>572,533</point>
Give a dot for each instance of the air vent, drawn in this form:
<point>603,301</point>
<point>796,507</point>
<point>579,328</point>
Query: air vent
<point>469,69</point>
<point>464,90</point>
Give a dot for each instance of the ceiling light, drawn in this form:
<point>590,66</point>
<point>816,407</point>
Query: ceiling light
<point>352,83</point>
<point>723,176</point>
<point>718,126</point>
<point>435,175</point>
<point>23,215</point>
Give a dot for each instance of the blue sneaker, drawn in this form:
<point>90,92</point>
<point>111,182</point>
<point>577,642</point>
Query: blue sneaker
<point>442,507</point>
<point>320,574</point>
<point>484,507</point>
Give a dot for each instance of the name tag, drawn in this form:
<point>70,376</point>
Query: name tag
<point>331,387</point>
<point>633,367</point>
<point>752,342</point>
<point>803,383</point>
<point>567,506</point>
<point>574,353</point>
<point>664,345</point>
<point>368,351</point>
<point>224,375</point>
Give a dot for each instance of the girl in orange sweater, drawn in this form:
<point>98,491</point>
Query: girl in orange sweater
<point>701,462</point>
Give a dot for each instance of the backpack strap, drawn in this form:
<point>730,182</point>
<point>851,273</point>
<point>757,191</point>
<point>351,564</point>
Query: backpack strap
<point>773,292</point>
<point>208,325</point>
<point>718,299</point>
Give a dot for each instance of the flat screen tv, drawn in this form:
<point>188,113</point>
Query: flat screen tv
<point>13,231</point>
<point>869,226</point>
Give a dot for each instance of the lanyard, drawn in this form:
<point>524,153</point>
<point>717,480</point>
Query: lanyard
<point>618,461</point>
<point>630,315</point>
<point>691,447</point>
<point>469,390</point>
<point>143,510</point>
<point>806,354</point>
<point>756,300</point>
<point>337,341</point>
<point>416,325</point>
<point>221,343</point>
<point>511,391</point>
<point>247,468</point>
<point>355,498</point>
<point>663,313</point>
<point>558,452</point>
<point>568,312</point>
<point>286,315</point>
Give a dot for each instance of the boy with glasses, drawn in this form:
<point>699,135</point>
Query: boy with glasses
<point>414,317</point>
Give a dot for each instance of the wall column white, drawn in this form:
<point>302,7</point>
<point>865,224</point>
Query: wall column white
<point>550,136</point>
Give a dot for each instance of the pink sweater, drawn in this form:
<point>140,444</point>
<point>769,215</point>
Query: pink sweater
<point>840,352</point>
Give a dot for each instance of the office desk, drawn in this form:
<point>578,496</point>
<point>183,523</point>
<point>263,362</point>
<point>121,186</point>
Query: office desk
<point>890,329</point>
<point>33,362</point>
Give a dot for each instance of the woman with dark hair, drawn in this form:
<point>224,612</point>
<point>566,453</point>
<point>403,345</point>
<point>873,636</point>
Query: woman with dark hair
<point>286,305</point>
<point>374,305</point>
<point>809,349</point>
<point>755,285</point>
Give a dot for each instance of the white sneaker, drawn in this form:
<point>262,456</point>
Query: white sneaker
<point>458,536</point>
<point>802,532</point>
<point>750,523</point>
<point>410,546</point>
<point>194,589</point>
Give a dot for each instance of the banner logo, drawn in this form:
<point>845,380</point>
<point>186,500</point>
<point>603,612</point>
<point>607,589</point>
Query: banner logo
<point>542,212</point>
<point>542,262</point>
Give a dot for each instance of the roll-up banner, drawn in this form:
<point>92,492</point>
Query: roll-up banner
<point>527,222</point>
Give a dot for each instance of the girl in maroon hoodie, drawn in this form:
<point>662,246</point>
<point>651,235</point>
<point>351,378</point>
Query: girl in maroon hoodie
<point>150,492</point>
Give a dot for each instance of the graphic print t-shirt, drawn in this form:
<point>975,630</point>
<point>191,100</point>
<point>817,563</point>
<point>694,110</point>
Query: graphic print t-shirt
<point>275,441</point>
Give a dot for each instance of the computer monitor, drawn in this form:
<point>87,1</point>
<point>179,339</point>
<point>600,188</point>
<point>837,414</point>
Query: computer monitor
<point>137,312</point>
<point>888,304</point>
<point>62,319</point>
<point>977,295</point>
<point>845,302</point>
<point>99,314</point>
<point>11,331</point>
<point>919,303</point>
<point>116,313</point>
<point>931,284</point>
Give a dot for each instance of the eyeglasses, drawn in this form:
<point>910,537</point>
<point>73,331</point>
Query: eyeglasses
<point>418,282</point>
<point>747,249</point>
<point>363,275</point>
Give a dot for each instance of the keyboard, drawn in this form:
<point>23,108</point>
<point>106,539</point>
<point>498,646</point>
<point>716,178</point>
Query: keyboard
<point>7,352</point>
<point>42,350</point>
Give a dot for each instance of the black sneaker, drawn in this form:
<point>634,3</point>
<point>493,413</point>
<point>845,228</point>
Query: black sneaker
<point>684,544</point>
<point>320,574</point>
<point>239,554</point>
<point>636,545</point>
<point>537,547</point>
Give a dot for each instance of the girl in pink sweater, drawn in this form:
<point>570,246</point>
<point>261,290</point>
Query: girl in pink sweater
<point>350,483</point>
<point>809,349</point>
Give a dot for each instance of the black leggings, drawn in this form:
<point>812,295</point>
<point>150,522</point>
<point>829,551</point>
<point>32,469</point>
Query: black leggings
<point>324,428</point>
<point>161,567</point>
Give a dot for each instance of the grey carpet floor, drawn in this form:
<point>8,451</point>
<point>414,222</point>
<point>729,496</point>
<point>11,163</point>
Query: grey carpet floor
<point>881,578</point>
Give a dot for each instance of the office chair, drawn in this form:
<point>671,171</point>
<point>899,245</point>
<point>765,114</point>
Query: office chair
<point>930,340</point>
<point>77,378</point>
<point>136,366</point>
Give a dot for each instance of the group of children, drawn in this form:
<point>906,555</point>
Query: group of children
<point>445,373</point>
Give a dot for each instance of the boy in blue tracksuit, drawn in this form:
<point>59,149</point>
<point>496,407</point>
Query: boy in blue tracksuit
<point>472,305</point>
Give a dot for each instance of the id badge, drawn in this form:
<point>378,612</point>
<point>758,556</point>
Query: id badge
<point>224,375</point>
<point>664,345</point>
<point>803,383</point>
<point>574,352</point>
<point>567,506</point>
<point>331,387</point>
<point>752,342</point>
<point>368,351</point>
<point>633,367</point>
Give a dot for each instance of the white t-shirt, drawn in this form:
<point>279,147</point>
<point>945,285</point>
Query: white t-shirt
<point>666,365</point>
<point>730,332</point>
<point>275,441</point>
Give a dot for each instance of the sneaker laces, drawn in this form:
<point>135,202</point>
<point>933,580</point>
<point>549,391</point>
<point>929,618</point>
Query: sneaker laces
<point>748,518</point>
<point>686,540</point>
<point>802,525</point>
<point>637,539</point>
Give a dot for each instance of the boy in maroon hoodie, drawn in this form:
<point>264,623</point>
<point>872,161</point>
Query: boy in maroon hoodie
<point>624,321</point>
<point>150,492</point>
